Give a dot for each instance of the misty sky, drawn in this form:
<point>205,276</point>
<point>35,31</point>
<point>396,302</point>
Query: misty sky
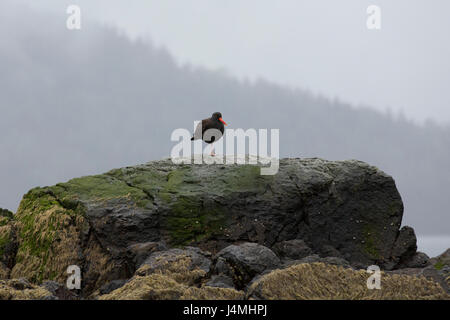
<point>319,45</point>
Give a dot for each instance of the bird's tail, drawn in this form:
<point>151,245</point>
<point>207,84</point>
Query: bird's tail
<point>192,139</point>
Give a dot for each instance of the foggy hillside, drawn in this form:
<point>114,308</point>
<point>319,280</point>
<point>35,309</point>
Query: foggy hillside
<point>82,102</point>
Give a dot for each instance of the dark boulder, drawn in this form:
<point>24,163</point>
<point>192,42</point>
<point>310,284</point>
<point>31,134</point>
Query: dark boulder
<point>220,281</point>
<point>329,251</point>
<point>292,249</point>
<point>405,247</point>
<point>112,285</point>
<point>59,291</point>
<point>417,260</point>
<point>245,261</point>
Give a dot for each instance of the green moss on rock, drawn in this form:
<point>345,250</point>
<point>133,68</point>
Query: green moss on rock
<point>5,216</point>
<point>143,177</point>
<point>439,265</point>
<point>4,221</point>
<point>4,241</point>
<point>191,218</point>
<point>243,178</point>
<point>189,221</point>
<point>98,188</point>
<point>370,242</point>
<point>43,225</point>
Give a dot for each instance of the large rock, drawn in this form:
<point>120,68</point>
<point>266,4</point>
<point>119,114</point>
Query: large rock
<point>104,223</point>
<point>418,260</point>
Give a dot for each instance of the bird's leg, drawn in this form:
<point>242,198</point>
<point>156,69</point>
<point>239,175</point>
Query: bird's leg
<point>212,150</point>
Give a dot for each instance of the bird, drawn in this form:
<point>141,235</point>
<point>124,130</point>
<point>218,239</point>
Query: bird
<point>215,122</point>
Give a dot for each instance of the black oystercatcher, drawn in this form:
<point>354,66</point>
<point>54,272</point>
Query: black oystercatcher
<point>215,122</point>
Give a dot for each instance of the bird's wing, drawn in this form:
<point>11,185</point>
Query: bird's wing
<point>198,133</point>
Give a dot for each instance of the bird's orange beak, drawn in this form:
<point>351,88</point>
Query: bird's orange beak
<point>221,120</point>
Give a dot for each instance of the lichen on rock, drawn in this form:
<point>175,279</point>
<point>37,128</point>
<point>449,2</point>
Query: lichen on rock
<point>318,281</point>
<point>21,289</point>
<point>49,237</point>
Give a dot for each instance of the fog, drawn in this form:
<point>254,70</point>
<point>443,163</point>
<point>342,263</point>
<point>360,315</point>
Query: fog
<point>82,102</point>
<point>321,45</point>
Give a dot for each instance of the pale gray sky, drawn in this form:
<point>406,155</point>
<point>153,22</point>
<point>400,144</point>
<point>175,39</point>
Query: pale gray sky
<point>322,45</point>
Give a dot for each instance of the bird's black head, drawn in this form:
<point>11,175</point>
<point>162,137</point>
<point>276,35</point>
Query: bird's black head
<point>218,117</point>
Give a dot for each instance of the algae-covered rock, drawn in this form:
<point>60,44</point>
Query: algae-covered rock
<point>4,271</point>
<point>5,216</point>
<point>212,293</point>
<point>172,274</point>
<point>53,234</point>
<point>442,260</point>
<point>188,266</point>
<point>441,264</point>
<point>313,281</point>
<point>162,287</point>
<point>8,241</point>
<point>152,287</point>
<point>336,261</point>
<point>429,273</point>
<point>21,289</point>
<point>105,223</point>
